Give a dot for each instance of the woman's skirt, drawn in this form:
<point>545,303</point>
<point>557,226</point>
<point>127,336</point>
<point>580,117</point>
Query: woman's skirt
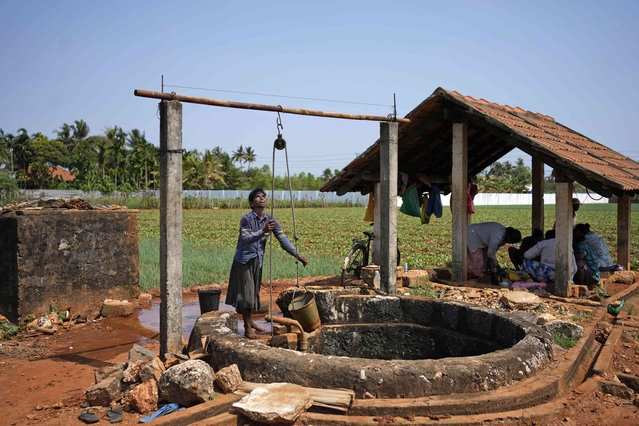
<point>244,285</point>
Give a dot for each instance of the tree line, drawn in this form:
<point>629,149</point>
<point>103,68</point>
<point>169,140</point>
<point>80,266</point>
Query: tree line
<point>126,161</point>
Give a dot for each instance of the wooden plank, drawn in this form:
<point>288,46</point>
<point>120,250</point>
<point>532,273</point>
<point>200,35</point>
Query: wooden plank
<point>460,212</point>
<point>563,238</point>
<point>623,231</point>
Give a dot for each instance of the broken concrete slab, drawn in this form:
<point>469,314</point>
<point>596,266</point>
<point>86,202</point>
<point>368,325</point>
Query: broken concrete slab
<point>275,403</point>
<point>564,328</point>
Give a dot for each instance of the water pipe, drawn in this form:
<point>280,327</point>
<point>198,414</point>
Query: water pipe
<point>291,322</point>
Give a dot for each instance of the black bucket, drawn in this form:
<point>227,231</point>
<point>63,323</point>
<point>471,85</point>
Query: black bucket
<point>209,300</point>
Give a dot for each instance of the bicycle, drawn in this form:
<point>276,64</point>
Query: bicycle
<point>358,256</point>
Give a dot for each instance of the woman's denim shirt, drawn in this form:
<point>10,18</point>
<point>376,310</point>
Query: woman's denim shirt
<point>251,242</point>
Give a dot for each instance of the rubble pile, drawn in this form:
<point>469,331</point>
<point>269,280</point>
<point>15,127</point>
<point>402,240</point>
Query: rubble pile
<point>74,203</point>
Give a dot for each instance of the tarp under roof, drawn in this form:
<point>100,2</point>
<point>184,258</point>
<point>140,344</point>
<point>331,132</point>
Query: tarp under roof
<point>425,146</point>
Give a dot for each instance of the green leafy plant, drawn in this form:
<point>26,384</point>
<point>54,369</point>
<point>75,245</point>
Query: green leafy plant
<point>564,341</point>
<point>54,310</point>
<point>561,310</point>
<point>631,309</point>
<point>582,315</point>
<point>7,329</point>
<point>541,307</point>
<point>601,292</point>
<point>424,290</point>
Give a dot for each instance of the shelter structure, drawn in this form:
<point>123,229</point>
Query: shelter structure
<point>450,137</point>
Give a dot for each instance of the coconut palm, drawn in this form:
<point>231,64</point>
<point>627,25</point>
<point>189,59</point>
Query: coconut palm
<point>249,156</point>
<point>239,155</point>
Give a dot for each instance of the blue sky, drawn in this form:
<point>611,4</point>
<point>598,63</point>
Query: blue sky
<point>576,61</point>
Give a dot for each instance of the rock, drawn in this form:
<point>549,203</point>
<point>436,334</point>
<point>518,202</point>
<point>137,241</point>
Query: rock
<point>530,317</point>
<point>545,317</point>
<point>138,352</point>
<point>132,372</point>
<point>116,369</point>
<point>116,308</point>
<point>602,331</point>
<point>617,389</point>
<point>152,370</point>
<point>622,277</point>
<point>275,403</point>
<point>518,300</point>
<point>142,398</point>
<point>187,383</point>
<point>145,299</point>
<point>105,392</point>
<point>564,328</point>
<point>631,381</point>
<point>228,378</point>
<point>171,360</point>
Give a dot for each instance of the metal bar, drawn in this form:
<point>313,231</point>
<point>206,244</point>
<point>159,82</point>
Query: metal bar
<point>275,108</point>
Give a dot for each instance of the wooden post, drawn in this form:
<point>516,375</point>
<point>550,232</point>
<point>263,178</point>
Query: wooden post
<point>388,206</point>
<point>537,194</point>
<point>623,231</point>
<point>563,237</point>
<point>170,227</point>
<point>458,197</point>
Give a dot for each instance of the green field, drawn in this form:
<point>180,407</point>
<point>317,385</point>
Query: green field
<point>325,234</point>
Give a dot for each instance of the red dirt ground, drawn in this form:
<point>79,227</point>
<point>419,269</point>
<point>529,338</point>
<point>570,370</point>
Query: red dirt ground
<point>43,378</point>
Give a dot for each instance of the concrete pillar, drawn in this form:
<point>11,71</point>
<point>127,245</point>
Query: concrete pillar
<point>170,227</point>
<point>376,257</point>
<point>623,231</point>
<point>388,206</point>
<point>537,194</point>
<point>563,238</point>
<point>458,198</point>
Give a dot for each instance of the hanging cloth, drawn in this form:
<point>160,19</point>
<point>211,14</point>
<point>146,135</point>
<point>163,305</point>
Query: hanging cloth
<point>410,202</point>
<point>434,205</point>
<point>369,216</point>
<point>470,204</point>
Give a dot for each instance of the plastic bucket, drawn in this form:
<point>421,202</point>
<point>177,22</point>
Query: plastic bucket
<point>209,300</point>
<point>304,310</point>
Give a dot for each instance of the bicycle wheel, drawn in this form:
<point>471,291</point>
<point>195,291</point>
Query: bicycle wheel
<point>354,261</point>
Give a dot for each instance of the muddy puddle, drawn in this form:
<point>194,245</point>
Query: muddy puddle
<point>150,318</point>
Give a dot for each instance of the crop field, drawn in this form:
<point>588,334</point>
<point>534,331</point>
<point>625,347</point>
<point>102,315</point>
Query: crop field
<point>325,234</point>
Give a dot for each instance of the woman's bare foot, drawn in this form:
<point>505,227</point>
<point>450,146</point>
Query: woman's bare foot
<point>249,334</point>
<point>256,327</point>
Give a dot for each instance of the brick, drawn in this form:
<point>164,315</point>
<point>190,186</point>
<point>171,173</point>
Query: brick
<point>368,272</point>
<point>415,277</point>
<point>287,341</point>
<point>116,308</point>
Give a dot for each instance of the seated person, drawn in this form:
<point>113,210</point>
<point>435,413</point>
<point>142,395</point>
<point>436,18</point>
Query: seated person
<point>516,254</point>
<point>587,269</point>
<point>484,239</point>
<point>598,247</point>
<point>543,270</point>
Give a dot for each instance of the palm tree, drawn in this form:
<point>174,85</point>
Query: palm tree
<point>117,148</point>
<point>249,156</point>
<point>139,155</point>
<point>80,131</point>
<point>238,156</point>
<point>211,170</point>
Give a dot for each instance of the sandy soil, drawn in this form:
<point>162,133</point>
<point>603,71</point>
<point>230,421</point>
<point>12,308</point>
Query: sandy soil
<point>43,378</point>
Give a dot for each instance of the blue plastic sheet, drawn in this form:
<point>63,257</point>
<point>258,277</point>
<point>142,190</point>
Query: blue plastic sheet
<point>166,409</point>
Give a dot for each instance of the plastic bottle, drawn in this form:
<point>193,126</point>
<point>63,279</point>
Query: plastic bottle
<point>377,279</point>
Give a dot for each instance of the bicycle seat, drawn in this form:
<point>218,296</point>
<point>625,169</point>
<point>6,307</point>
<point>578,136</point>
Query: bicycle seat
<point>370,235</point>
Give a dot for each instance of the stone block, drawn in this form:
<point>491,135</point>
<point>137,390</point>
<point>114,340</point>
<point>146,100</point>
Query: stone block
<point>187,383</point>
<point>67,258</point>
<point>280,403</point>
<point>145,299</point>
<point>105,392</point>
<point>229,378</point>
<point>617,389</point>
<point>279,329</point>
<point>414,278</point>
<point>287,341</point>
<point>138,352</point>
<point>368,272</point>
<point>116,369</point>
<point>116,308</point>
<point>518,300</point>
<point>577,290</point>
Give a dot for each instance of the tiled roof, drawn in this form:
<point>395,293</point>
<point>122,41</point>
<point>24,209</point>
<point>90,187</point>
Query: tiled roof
<point>425,145</point>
